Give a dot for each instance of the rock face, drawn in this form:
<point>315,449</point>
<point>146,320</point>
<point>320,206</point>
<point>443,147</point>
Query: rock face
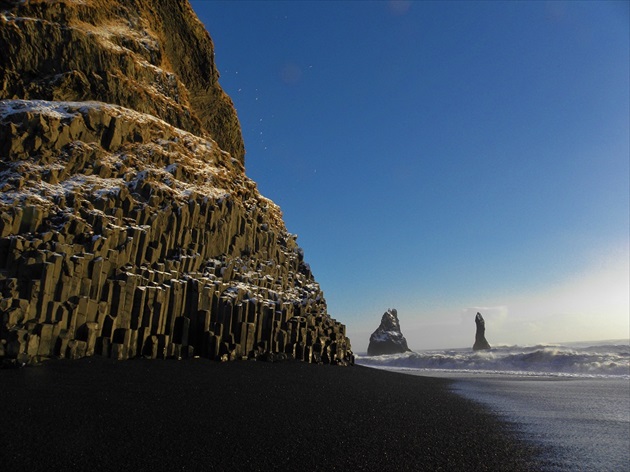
<point>127,224</point>
<point>480,334</point>
<point>387,339</point>
<point>151,56</point>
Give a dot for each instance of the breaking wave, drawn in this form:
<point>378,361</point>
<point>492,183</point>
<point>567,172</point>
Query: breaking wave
<point>574,360</point>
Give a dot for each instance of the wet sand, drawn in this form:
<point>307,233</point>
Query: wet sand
<point>198,415</point>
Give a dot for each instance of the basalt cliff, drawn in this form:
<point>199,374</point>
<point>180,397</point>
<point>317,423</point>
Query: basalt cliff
<point>127,224</point>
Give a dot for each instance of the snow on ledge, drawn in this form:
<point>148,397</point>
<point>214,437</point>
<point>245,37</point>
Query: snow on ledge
<point>63,109</point>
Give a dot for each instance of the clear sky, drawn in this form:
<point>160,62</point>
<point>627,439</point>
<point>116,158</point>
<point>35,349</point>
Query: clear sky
<point>444,158</point>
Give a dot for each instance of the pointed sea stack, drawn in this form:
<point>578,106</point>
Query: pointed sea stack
<point>387,339</point>
<point>128,227</point>
<point>480,335</point>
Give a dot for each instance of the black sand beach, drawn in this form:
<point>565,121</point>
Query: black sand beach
<point>98,414</point>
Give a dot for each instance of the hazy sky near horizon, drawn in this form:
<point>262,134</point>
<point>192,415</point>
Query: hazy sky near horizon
<point>444,158</point>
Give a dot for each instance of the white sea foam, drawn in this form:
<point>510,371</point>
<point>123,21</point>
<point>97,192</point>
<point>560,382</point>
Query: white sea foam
<point>573,399</point>
<point>570,360</point>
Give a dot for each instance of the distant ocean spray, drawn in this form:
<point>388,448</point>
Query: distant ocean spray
<point>598,359</point>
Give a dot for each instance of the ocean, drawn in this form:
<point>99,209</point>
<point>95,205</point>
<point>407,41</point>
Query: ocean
<point>573,399</point>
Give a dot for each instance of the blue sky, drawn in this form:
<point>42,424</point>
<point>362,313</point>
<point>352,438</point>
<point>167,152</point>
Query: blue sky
<point>444,158</point>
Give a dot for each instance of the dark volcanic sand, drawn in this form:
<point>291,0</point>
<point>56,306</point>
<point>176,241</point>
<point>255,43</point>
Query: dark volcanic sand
<point>198,415</point>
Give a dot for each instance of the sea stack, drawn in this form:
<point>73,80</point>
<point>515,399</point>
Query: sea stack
<point>388,339</point>
<point>127,224</point>
<point>480,335</point>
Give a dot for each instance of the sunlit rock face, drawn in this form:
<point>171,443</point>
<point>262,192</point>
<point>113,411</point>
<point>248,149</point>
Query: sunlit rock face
<point>387,339</point>
<point>480,334</point>
<point>151,56</point>
<point>127,224</point>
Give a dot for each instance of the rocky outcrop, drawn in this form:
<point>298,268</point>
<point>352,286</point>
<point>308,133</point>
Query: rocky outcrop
<point>152,56</point>
<point>480,334</point>
<point>387,339</point>
<point>127,224</point>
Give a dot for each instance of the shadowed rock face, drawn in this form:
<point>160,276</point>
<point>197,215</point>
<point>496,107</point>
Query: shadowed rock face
<point>480,338</point>
<point>127,224</point>
<point>387,339</point>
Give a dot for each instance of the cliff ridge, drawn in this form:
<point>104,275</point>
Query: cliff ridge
<point>127,224</point>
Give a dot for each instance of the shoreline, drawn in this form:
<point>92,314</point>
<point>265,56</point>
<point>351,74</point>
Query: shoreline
<point>582,421</point>
<point>202,415</point>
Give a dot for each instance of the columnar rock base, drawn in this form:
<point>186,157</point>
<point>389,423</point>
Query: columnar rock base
<point>123,234</point>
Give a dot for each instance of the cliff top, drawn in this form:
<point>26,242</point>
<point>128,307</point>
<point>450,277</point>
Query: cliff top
<point>154,57</point>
